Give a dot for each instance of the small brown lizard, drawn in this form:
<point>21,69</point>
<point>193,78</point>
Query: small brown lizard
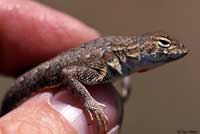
<point>99,61</point>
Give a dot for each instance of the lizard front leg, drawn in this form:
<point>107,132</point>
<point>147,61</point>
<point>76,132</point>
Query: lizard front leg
<point>125,85</point>
<point>75,76</point>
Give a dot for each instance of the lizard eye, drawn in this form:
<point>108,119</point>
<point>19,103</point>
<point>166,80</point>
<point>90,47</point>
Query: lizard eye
<point>163,42</point>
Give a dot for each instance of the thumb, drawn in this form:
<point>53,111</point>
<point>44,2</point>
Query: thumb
<point>35,116</point>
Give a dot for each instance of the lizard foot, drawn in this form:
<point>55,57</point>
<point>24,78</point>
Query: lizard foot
<point>95,110</point>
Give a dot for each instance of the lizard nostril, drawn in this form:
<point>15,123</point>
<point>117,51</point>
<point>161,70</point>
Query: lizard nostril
<point>184,49</point>
<point>182,46</point>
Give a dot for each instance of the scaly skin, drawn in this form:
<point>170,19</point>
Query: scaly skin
<point>95,62</point>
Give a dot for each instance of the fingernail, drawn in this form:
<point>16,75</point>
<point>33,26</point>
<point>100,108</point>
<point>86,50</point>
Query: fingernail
<point>72,114</point>
<point>43,96</point>
<point>114,130</point>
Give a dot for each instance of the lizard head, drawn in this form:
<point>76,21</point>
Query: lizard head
<point>158,48</point>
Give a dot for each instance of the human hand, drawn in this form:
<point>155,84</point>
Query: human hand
<point>29,34</point>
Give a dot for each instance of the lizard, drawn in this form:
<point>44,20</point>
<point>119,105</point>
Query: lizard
<point>99,61</point>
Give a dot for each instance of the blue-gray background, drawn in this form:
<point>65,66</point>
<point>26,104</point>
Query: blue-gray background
<point>166,99</point>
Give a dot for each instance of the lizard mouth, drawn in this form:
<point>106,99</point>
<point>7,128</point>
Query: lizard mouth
<point>178,53</point>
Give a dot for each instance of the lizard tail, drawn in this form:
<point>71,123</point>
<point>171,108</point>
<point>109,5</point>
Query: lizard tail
<point>24,87</point>
<point>18,92</point>
<point>12,98</point>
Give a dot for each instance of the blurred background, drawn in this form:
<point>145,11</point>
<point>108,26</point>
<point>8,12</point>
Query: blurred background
<point>165,100</point>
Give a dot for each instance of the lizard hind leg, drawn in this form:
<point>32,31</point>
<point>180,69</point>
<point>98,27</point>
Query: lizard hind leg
<point>75,76</point>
